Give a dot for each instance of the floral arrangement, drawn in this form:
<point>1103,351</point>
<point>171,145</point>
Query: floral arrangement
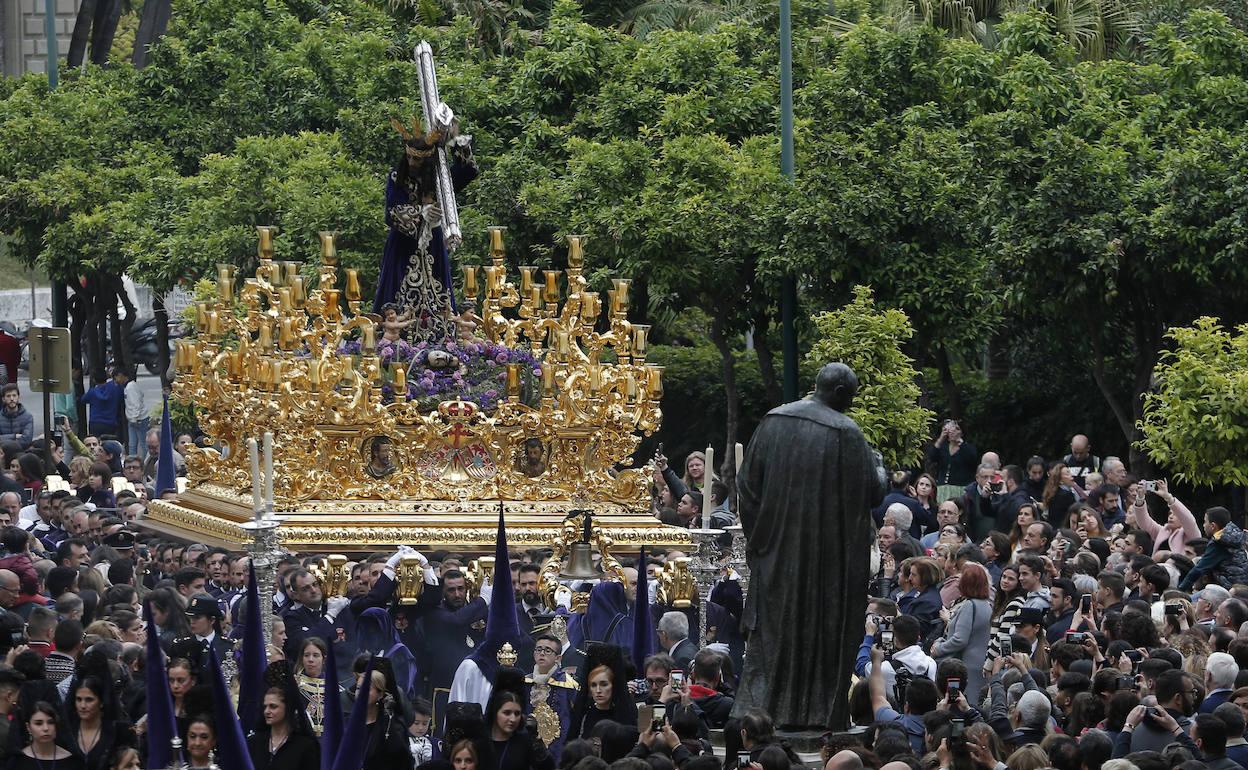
<point>478,373</point>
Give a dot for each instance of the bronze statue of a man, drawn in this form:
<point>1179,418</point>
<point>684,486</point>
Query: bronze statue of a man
<point>807,485</point>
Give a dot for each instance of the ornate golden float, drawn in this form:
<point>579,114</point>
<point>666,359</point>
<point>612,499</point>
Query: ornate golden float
<point>360,464</point>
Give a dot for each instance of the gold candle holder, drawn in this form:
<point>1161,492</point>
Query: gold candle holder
<point>590,305</point>
<point>276,374</point>
<point>331,312</point>
<point>314,371</point>
<point>565,344</point>
<point>201,316</point>
<point>492,288</point>
<point>225,282</point>
<point>548,379</point>
<point>526,278</point>
<point>630,388</point>
<point>641,333</point>
<point>265,247</point>
<point>276,275</point>
<point>552,286</point>
<point>297,293</point>
<point>329,250</point>
<point>535,296</point>
<point>234,366</point>
<point>595,379</point>
<point>214,324</point>
<point>368,339</point>
<point>286,333</point>
<point>621,293</point>
<point>284,301</point>
<point>265,337</point>
<point>398,375</point>
<point>496,242</point>
<point>576,251</point>
<point>179,354</point>
<point>513,382</point>
<point>654,381</point>
<point>292,272</point>
<point>353,285</point>
<point>470,282</point>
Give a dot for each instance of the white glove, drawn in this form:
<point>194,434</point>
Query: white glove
<point>487,592</point>
<point>393,561</point>
<point>335,605</point>
<point>431,577</point>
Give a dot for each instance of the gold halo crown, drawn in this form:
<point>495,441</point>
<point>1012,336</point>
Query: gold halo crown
<point>415,136</point>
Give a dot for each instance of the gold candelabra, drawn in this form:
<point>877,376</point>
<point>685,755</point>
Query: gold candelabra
<point>308,364</point>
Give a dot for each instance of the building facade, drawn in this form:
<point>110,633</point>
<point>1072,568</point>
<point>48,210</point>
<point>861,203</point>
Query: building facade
<point>23,39</point>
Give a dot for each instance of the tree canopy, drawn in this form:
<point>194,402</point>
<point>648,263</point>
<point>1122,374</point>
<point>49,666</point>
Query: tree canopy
<point>1018,189</point>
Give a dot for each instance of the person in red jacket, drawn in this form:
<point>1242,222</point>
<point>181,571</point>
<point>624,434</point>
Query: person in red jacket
<point>10,354</point>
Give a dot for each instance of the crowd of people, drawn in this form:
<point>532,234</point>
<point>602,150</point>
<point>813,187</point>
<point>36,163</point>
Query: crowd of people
<point>1062,613</point>
<point>1057,614</point>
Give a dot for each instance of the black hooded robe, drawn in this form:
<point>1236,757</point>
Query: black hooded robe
<point>807,485</point>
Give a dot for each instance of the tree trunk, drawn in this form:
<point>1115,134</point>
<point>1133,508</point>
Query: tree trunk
<point>122,358</point>
<point>728,366</point>
<point>77,321</point>
<point>152,25</point>
<point>107,15</point>
<point>162,336</point>
<point>948,385</point>
<point>127,326</point>
<point>766,356</point>
<point>82,33</point>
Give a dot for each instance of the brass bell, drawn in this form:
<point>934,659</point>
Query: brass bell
<point>581,559</point>
<point>581,564</point>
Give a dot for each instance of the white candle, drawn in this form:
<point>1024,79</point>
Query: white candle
<point>707,472</point>
<point>255,475</point>
<point>268,467</point>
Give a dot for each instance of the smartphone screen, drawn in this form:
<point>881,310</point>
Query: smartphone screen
<point>743,759</point>
<point>1085,604</point>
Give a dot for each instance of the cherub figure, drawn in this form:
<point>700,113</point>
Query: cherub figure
<point>393,324</point>
<point>467,322</point>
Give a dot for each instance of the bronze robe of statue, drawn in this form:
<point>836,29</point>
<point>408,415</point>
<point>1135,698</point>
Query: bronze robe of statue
<point>807,485</point>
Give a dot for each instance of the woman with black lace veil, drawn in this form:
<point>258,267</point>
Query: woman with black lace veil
<point>603,694</point>
<point>93,724</point>
<point>283,739</point>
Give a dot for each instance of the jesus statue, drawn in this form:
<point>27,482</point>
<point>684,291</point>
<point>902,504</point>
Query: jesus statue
<point>416,266</point>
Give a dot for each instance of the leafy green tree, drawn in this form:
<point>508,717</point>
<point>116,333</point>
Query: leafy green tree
<point>869,340</point>
<point>1196,418</point>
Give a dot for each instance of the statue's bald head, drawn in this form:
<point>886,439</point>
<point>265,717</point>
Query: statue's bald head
<point>836,385</point>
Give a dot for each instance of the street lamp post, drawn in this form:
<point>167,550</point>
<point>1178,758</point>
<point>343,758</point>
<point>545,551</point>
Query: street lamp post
<point>788,286</point>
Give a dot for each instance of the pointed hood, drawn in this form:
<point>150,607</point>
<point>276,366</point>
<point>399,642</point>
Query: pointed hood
<point>166,473</point>
<point>161,726</point>
<point>350,755</point>
<point>501,625</point>
<point>231,745</point>
<point>331,717</point>
<point>642,643</point>
<point>254,655</point>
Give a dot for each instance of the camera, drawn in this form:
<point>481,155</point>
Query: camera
<point>678,679</point>
<point>743,759</point>
<point>1148,486</point>
<point>1151,712</point>
<point>1126,683</point>
<point>1085,604</point>
<point>1173,609</point>
<point>1076,637</point>
<point>656,721</point>
<point>1007,647</point>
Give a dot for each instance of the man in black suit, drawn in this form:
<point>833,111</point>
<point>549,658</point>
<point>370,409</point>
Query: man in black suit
<point>307,615</point>
<point>452,630</point>
<point>674,638</point>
